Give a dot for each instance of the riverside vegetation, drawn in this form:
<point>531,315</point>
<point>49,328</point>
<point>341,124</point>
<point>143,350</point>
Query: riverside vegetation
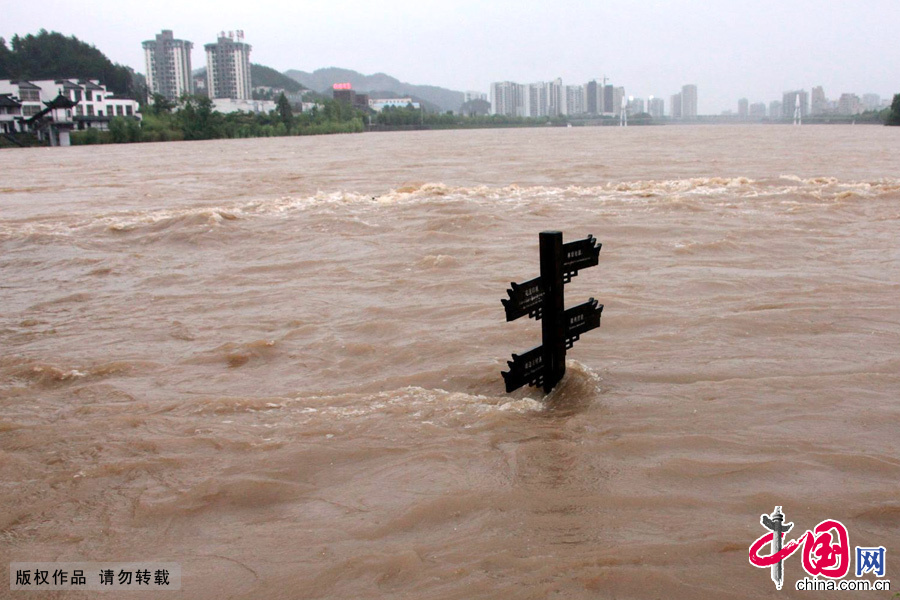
<point>194,118</point>
<point>893,117</point>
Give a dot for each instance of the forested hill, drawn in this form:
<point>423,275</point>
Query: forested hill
<point>269,77</point>
<point>261,75</point>
<point>53,55</point>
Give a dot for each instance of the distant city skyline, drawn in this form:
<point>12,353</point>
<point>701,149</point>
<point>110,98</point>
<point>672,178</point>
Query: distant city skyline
<point>756,50</point>
<point>598,98</point>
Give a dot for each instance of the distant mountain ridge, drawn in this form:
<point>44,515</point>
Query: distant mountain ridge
<point>262,75</point>
<point>321,80</point>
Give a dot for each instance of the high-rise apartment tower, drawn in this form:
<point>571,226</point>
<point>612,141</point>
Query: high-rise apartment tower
<point>819,101</point>
<point>675,106</point>
<point>689,101</point>
<point>228,67</point>
<point>789,102</point>
<point>168,65</point>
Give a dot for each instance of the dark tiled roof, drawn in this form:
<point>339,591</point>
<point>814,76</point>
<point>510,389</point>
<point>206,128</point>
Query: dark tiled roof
<point>8,101</point>
<point>25,85</point>
<point>89,85</point>
<point>60,102</point>
<point>68,85</point>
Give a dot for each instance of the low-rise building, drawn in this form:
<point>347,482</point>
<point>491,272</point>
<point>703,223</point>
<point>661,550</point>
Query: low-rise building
<point>343,93</point>
<point>380,104</point>
<point>471,95</point>
<point>266,92</point>
<point>230,105</point>
<point>56,121</point>
<point>10,111</point>
<point>93,105</point>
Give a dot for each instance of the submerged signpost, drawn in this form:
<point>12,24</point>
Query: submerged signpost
<point>542,298</point>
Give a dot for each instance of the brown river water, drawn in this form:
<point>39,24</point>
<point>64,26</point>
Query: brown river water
<point>277,361</point>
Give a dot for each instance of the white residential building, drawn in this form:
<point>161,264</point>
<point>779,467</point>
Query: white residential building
<point>10,113</point>
<point>618,96</point>
<point>230,105</point>
<point>168,65</point>
<point>380,104</point>
<point>537,100</point>
<point>545,99</point>
<point>228,67</point>
<point>556,98</point>
<point>27,94</point>
<point>575,100</point>
<point>689,101</point>
<point>675,106</point>
<point>508,98</point>
<point>93,106</point>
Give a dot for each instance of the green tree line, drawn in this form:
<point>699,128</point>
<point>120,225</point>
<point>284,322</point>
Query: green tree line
<point>51,55</point>
<point>194,118</point>
<point>893,117</point>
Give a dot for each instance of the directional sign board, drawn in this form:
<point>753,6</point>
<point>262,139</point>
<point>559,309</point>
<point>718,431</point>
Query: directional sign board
<point>524,299</point>
<point>543,298</point>
<point>580,254</point>
<point>524,369</point>
<point>581,319</point>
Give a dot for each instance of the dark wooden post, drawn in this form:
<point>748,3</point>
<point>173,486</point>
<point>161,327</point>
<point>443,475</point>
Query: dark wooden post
<point>553,326</point>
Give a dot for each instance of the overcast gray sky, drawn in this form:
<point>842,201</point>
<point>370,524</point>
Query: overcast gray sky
<point>730,49</point>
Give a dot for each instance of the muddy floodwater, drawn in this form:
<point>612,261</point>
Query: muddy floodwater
<point>277,362</point>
